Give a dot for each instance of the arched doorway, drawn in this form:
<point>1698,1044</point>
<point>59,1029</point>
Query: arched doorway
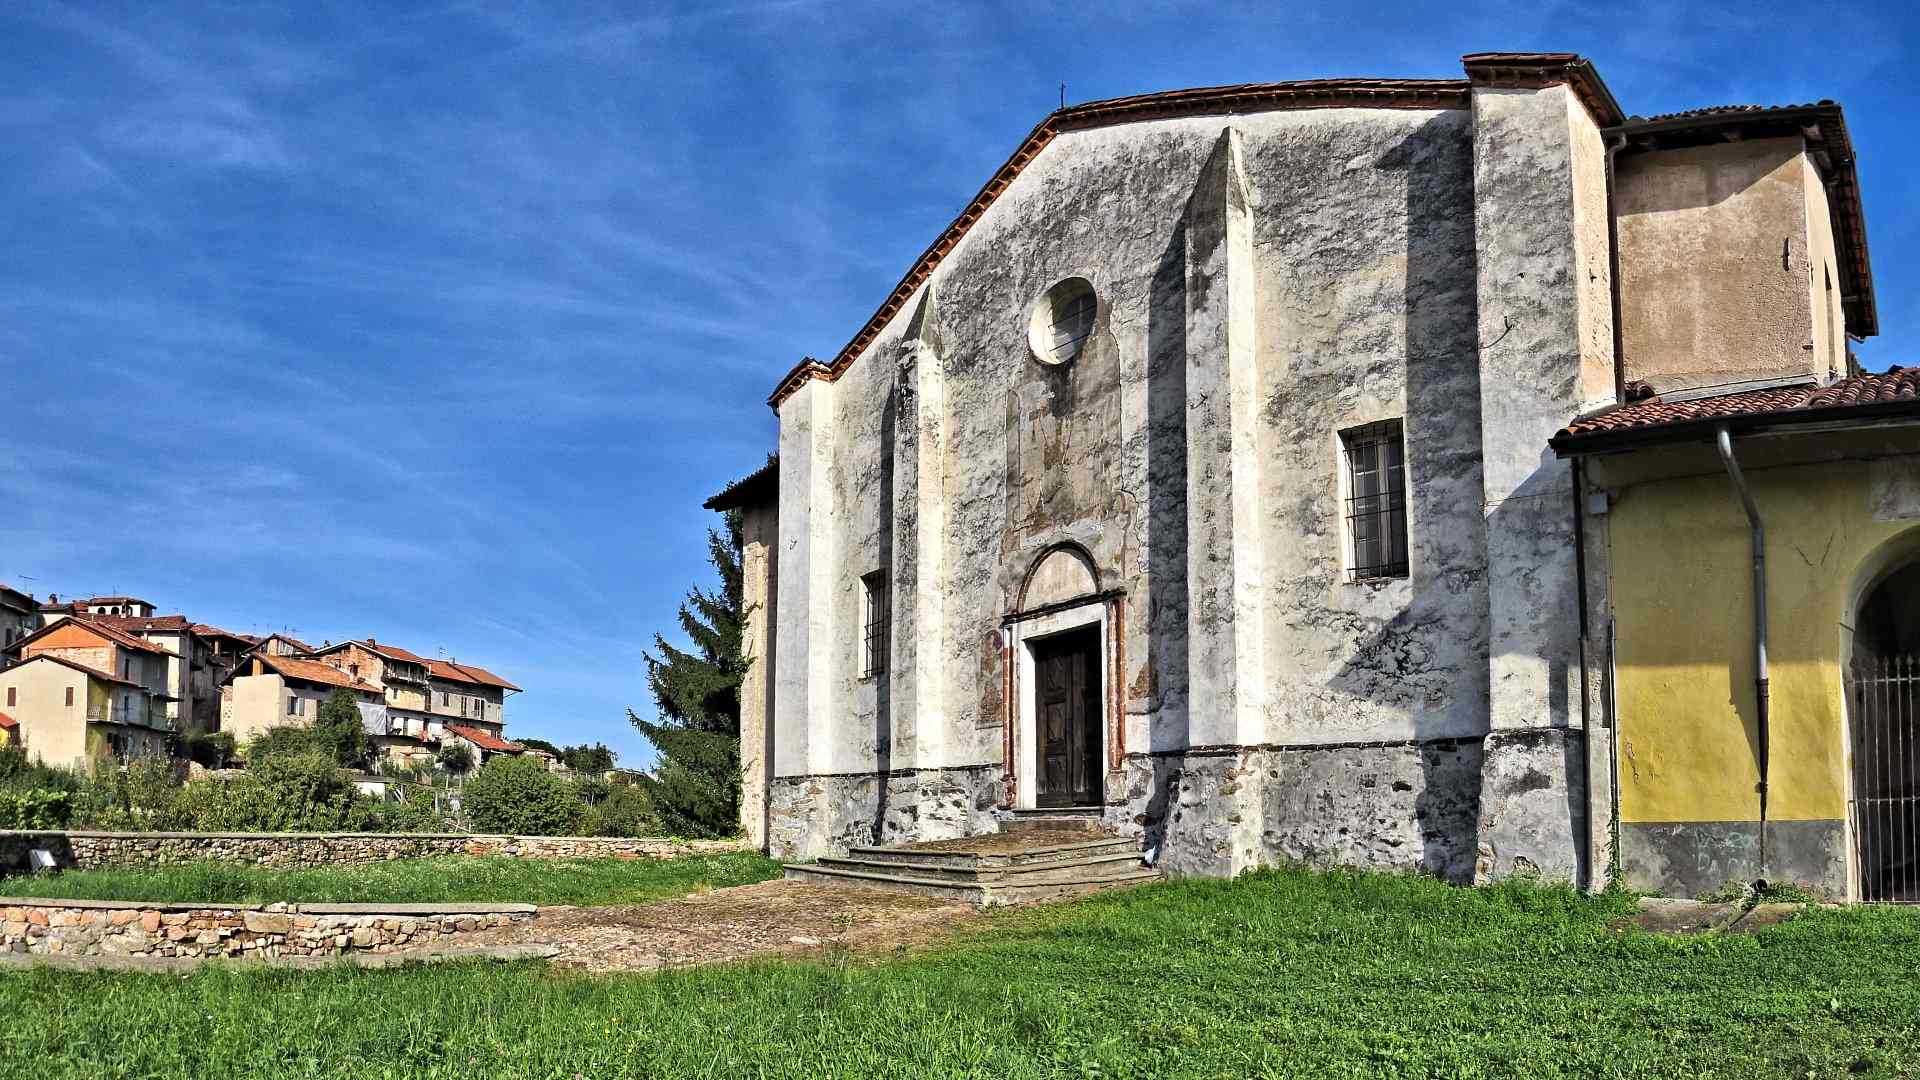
<point>1884,707</point>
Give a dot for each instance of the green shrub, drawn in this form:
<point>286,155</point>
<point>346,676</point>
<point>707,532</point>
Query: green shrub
<point>337,726</point>
<point>19,771</point>
<point>455,758</point>
<point>283,742</point>
<point>35,808</point>
<point>625,811</point>
<point>520,795</point>
<point>213,749</point>
<point>143,795</point>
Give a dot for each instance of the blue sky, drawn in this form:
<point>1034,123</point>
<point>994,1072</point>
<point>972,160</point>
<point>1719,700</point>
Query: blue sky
<point>437,323</point>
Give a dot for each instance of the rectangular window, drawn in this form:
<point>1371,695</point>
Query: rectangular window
<point>11,703</point>
<point>443,699</point>
<point>69,697</point>
<point>1376,500</point>
<point>879,612</point>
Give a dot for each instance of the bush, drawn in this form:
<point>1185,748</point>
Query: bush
<point>625,811</point>
<point>283,742</point>
<point>520,796</point>
<point>35,808</point>
<point>455,758</point>
<point>142,795</point>
<point>213,749</point>
<point>337,726</point>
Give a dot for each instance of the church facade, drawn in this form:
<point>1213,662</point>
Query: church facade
<point>1198,477</point>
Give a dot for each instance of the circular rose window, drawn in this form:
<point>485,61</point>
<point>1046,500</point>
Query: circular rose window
<point>1062,321</point>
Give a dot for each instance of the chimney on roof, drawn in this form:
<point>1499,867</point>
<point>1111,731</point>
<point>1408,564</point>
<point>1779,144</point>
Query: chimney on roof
<point>372,641</point>
<point>53,598</point>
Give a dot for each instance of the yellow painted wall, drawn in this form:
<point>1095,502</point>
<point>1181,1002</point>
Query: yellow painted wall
<point>1681,589</point>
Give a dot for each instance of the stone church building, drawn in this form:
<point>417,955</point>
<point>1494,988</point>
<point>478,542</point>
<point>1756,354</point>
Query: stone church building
<point>1198,477</point>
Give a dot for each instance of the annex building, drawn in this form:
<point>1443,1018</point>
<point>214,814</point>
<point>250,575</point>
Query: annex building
<point>1363,471</point>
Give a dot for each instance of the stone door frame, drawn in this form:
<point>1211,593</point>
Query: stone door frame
<point>1019,632</point>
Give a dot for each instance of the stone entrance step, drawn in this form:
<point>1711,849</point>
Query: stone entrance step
<point>1056,819</point>
<point>1004,868</point>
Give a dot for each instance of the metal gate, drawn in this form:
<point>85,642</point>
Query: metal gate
<point>1885,693</point>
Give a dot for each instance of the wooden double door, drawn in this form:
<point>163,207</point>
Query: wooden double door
<point>1067,692</point>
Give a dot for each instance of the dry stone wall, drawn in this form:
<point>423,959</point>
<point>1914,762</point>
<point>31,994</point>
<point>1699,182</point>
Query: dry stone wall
<point>137,928</point>
<point>82,850</point>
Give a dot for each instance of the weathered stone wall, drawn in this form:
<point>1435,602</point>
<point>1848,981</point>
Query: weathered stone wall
<point>1385,806</point>
<point>82,850</point>
<point>122,928</point>
<point>811,816</point>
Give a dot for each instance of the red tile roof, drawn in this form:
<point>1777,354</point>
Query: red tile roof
<point>8,721</point>
<point>135,623</point>
<point>466,673</point>
<point>1892,390</point>
<point>485,740</point>
<point>314,671</point>
<point>92,622</point>
<point>87,669</point>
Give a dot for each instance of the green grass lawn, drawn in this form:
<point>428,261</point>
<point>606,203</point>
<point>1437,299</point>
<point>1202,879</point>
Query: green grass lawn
<point>1285,973</point>
<point>435,880</point>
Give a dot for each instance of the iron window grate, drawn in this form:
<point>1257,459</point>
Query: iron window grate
<point>877,623</point>
<point>1376,500</point>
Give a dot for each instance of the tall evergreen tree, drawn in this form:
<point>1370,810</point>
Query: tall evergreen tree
<point>696,786</point>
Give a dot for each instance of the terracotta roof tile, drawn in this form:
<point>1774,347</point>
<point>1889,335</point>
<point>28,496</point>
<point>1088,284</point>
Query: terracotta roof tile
<point>316,672</point>
<point>8,721</point>
<point>1804,401</point>
<point>485,740</point>
<point>86,669</point>
<point>466,673</point>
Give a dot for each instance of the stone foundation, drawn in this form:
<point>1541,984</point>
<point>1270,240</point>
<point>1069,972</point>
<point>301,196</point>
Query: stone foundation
<point>812,816</point>
<point>82,850</point>
<point>1533,806</point>
<point>1691,858</point>
<point>117,928</point>
<point>1384,806</point>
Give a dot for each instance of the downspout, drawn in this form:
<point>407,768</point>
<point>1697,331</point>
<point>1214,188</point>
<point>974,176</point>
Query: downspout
<point>1586,696</point>
<point>1759,543</point>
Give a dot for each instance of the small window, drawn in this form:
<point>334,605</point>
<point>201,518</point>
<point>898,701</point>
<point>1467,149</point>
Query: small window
<point>11,702</point>
<point>878,613</point>
<point>443,699</point>
<point>1062,321</point>
<point>353,669</point>
<point>1376,500</point>
<point>69,697</point>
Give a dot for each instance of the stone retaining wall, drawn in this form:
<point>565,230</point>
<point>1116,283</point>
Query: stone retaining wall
<point>136,928</point>
<point>81,850</point>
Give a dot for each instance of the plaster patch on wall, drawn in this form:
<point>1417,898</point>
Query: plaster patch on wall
<point>1894,489</point>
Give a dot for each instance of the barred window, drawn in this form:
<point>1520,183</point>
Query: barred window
<point>878,615</point>
<point>1376,500</point>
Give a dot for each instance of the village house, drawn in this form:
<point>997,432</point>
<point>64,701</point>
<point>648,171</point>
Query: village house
<point>130,606</point>
<point>82,691</point>
<point>269,691</point>
<point>202,657</point>
<point>411,704</point>
<point>1339,471</point>
<point>19,616</point>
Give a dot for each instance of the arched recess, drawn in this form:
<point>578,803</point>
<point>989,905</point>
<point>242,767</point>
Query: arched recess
<point>1880,657</point>
<point>1063,573</point>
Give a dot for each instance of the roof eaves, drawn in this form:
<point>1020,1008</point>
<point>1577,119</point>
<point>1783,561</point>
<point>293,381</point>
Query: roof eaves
<point>1566,444</point>
<point>1825,124</point>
